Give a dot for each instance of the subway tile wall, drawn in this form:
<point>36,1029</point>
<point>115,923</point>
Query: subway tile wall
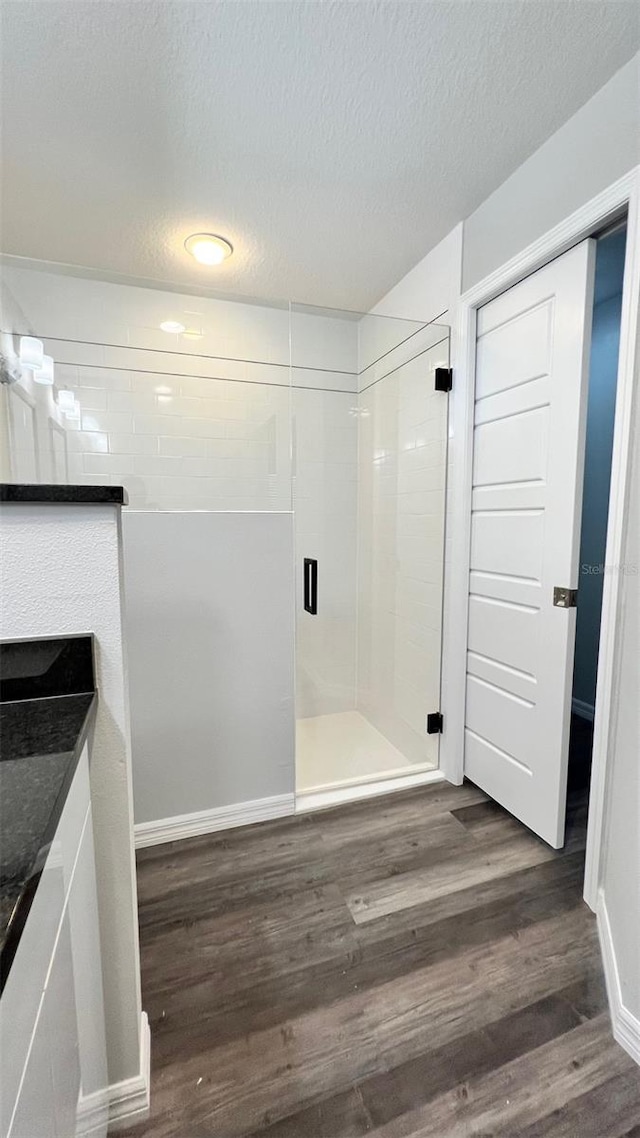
<point>181,443</point>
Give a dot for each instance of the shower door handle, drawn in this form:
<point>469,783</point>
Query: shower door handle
<point>310,585</point>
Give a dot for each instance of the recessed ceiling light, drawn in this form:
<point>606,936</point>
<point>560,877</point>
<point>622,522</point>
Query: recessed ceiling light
<point>172,326</point>
<point>208,248</point>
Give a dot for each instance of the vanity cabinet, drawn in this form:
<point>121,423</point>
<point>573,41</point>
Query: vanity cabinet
<point>52,1037</point>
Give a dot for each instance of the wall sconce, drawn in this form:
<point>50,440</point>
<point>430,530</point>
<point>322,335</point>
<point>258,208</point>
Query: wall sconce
<point>31,352</point>
<point>44,374</point>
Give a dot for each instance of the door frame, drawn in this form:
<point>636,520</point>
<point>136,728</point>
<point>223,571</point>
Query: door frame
<point>605,208</point>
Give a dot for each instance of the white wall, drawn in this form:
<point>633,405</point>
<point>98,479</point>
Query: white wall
<point>594,148</point>
<point>621,874</point>
<point>61,575</point>
<point>430,290</point>
<point>210,638</point>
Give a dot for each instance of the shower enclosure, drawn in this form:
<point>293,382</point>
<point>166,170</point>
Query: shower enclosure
<point>369,439</point>
<point>330,420</point>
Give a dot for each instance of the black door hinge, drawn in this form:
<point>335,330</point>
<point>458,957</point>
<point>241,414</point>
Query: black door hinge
<point>434,723</point>
<point>444,378</point>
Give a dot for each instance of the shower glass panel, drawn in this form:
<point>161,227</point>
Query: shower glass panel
<point>369,441</point>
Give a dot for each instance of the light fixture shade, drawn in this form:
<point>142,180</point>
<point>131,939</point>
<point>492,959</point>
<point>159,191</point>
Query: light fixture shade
<point>44,374</point>
<point>31,352</point>
<point>208,248</point>
<point>66,400</point>
<point>173,326</point>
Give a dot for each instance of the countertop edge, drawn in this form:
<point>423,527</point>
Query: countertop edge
<point>18,918</point>
<point>23,493</point>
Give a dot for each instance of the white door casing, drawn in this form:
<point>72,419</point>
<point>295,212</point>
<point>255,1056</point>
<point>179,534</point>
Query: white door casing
<point>532,356</point>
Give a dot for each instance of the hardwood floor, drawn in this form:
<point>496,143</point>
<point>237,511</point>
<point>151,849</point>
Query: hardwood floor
<point>417,965</point>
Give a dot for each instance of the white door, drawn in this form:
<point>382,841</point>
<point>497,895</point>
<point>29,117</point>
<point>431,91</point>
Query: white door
<point>532,356</point>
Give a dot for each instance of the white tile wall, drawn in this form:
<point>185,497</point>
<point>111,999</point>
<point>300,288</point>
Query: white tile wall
<point>182,443</point>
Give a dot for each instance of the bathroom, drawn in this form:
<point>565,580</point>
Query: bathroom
<point>318,542</point>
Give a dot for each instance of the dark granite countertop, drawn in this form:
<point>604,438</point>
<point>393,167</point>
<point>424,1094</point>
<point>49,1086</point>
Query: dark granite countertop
<point>41,740</point>
<point>80,495</point>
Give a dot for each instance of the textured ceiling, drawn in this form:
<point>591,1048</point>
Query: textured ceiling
<point>334,143</point>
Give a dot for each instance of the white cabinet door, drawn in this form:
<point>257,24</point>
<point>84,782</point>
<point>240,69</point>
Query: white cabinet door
<point>52,1008</point>
<point>60,1026</point>
<point>22,995</point>
<point>48,1098</point>
<point>35,1115</point>
<point>530,412</point>
<point>93,1109</point>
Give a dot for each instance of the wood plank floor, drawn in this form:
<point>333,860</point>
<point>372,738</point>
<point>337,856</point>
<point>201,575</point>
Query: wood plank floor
<point>416,965</point>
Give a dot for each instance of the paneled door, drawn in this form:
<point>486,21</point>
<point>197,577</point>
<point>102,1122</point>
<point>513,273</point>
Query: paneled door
<point>532,356</point>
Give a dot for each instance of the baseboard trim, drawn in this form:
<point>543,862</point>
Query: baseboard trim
<point>130,1099</point>
<point>583,709</point>
<point>209,821</point>
<point>321,799</point>
<point>93,1114</point>
<point>625,1026</point>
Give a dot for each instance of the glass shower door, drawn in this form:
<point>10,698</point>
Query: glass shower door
<point>369,466</point>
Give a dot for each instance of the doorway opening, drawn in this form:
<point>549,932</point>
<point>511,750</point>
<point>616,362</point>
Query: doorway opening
<point>601,402</point>
<point>533,348</point>
<point>539,273</point>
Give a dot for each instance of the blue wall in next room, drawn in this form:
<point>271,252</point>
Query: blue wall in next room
<point>603,368</point>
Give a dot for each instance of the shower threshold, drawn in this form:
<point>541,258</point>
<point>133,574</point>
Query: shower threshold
<point>341,757</point>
